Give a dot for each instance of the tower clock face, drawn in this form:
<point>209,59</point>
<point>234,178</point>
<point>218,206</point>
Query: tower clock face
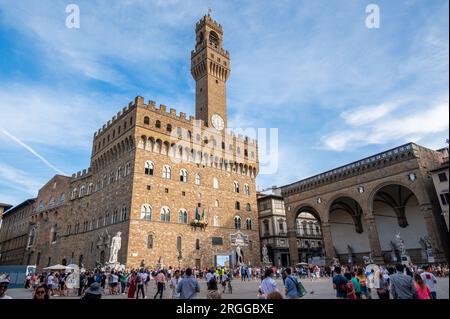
<point>217,122</point>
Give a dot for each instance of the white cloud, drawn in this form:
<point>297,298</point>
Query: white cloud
<point>41,115</point>
<point>415,126</point>
<point>367,114</point>
<point>19,180</point>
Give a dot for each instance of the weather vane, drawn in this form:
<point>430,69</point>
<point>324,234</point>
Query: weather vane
<point>209,11</point>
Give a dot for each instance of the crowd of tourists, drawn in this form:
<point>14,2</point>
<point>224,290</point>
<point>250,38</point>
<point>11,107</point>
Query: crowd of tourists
<point>396,282</point>
<point>388,282</point>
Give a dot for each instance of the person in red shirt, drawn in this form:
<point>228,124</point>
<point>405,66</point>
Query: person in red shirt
<point>351,294</point>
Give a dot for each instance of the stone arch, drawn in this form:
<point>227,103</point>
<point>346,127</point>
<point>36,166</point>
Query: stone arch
<point>397,210</point>
<point>420,195</point>
<point>348,228</point>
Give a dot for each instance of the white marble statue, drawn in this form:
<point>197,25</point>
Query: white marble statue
<point>115,247</point>
<point>240,259</point>
<point>265,256</point>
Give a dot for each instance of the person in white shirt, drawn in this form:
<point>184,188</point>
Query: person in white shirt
<point>268,285</point>
<point>211,275</point>
<point>50,283</point>
<point>430,280</point>
<point>3,287</point>
<point>174,284</point>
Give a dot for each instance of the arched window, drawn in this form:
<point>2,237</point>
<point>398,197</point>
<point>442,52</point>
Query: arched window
<point>197,244</point>
<point>167,172</point>
<point>169,128</point>
<point>146,120</point>
<point>128,169</point>
<point>118,173</point>
<point>146,212</point>
<point>53,234</point>
<point>124,213</point>
<point>90,188</point>
<point>215,183</point>
<point>197,179</point>
<point>249,224</point>
<point>248,207</point>
<point>246,189</point>
<point>149,167</point>
<point>237,205</point>
<point>216,221</point>
<point>51,202</point>
<point>182,216</point>
<point>183,175</point>
<point>216,203</point>
<point>165,214</point>
<point>235,187</point>
<point>158,124</point>
<point>62,199</point>
<point>82,191</point>
<point>179,243</point>
<point>213,38</point>
<point>115,217</point>
<point>42,206</point>
<point>150,241</point>
<point>237,222</point>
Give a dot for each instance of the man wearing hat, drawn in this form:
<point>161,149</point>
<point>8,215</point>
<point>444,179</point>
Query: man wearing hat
<point>3,287</point>
<point>93,292</point>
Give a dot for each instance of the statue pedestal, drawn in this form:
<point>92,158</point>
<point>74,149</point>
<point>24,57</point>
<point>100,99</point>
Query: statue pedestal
<point>405,259</point>
<point>115,266</point>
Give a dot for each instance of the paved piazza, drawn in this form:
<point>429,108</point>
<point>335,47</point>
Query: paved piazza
<point>245,290</point>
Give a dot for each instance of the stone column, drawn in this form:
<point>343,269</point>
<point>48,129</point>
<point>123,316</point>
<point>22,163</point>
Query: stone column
<point>374,240</point>
<point>293,249</point>
<point>328,243</point>
<point>427,212</point>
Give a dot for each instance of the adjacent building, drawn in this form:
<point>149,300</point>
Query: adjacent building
<point>14,233</point>
<point>273,231</point>
<point>441,182</point>
<point>373,207</point>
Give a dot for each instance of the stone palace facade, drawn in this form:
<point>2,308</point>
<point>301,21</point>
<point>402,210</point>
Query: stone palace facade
<point>181,190</point>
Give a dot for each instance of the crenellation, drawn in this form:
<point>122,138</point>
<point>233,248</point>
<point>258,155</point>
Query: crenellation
<point>173,112</point>
<point>162,108</point>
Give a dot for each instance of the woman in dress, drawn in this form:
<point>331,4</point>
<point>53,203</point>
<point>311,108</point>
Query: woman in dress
<point>132,285</point>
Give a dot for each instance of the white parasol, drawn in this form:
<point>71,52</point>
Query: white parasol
<point>57,267</point>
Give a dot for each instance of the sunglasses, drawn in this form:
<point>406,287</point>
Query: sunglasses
<point>40,292</point>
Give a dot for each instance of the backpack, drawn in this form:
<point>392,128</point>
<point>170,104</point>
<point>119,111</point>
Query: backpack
<point>301,291</point>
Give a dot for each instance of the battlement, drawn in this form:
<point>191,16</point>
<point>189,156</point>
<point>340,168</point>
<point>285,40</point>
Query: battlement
<point>125,110</point>
<point>208,20</point>
<point>81,174</point>
<point>192,121</point>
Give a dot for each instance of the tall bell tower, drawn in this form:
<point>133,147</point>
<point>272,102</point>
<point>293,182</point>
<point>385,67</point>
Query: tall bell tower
<point>210,67</point>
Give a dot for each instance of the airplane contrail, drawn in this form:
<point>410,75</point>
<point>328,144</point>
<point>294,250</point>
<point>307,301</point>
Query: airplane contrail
<point>32,151</point>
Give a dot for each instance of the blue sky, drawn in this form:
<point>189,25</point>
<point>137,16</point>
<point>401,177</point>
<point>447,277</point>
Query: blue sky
<point>336,90</point>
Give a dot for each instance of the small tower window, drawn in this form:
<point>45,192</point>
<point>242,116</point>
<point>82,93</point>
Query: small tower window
<point>213,38</point>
